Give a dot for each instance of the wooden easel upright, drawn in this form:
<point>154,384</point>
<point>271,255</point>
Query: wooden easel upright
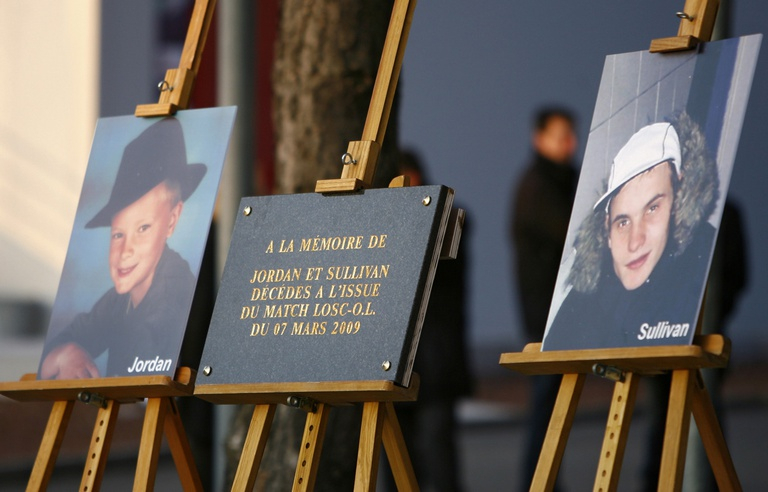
<point>379,422</point>
<point>108,394</point>
<point>626,365</point>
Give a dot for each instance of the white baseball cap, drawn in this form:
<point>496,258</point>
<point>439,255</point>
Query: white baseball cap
<point>650,146</point>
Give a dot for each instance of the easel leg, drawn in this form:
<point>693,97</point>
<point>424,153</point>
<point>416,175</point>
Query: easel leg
<point>557,433</point>
<point>99,448</point>
<point>616,432</point>
<point>370,447</point>
<point>253,449</point>
<point>49,447</point>
<point>180,450</point>
<point>397,452</point>
<point>149,449</point>
<point>311,446</point>
<point>676,432</point>
<point>712,437</point>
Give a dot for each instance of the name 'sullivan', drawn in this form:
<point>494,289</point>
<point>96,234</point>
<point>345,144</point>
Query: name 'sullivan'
<point>663,329</point>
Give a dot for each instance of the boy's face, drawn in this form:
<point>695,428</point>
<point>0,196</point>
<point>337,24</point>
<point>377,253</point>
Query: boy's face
<point>138,236</point>
<point>638,225</point>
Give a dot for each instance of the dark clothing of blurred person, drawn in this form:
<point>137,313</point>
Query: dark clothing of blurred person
<point>541,211</point>
<point>429,424</point>
<point>728,278</point>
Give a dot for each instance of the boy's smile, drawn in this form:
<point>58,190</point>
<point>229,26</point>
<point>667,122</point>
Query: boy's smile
<point>138,236</point>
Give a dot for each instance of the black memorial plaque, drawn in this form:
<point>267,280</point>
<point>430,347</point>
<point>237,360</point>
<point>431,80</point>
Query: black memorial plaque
<point>326,288</point>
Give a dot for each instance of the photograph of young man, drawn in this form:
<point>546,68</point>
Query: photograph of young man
<point>642,253</point>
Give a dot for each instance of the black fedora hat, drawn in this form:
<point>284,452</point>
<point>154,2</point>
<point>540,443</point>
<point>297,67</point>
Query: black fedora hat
<point>156,155</point>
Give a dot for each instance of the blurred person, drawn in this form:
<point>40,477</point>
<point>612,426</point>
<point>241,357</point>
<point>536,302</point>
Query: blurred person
<point>429,424</point>
<point>541,211</point>
<point>728,277</point>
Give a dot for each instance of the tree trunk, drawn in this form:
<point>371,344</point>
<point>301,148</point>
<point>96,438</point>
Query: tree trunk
<point>327,56</point>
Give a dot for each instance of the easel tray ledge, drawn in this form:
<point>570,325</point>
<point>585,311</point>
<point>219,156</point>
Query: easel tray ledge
<point>123,389</point>
<point>334,393</point>
<point>706,351</point>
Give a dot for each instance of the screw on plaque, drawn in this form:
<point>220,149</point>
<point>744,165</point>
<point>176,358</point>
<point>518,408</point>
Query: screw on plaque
<point>426,201</point>
<point>386,365</point>
<point>207,370</point>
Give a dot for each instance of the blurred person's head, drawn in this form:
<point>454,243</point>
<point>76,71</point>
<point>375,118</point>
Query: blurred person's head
<point>410,165</point>
<point>554,135</point>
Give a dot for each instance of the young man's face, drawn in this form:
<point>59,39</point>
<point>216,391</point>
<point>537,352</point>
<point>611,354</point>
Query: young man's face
<point>138,236</point>
<point>638,225</point>
<point>556,141</point>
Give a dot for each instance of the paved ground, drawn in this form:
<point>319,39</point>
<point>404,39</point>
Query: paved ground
<point>490,453</point>
<point>491,442</point>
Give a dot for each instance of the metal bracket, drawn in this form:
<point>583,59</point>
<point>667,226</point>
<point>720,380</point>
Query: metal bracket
<point>94,399</point>
<point>303,403</point>
<point>608,372</point>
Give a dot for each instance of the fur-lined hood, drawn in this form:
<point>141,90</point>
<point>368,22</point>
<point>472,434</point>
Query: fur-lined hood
<point>694,202</point>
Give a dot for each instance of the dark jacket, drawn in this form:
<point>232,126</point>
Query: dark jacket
<point>151,332</point>
<point>542,209</point>
<point>441,361</point>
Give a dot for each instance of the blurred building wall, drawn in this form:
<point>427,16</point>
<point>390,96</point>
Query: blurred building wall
<point>49,95</point>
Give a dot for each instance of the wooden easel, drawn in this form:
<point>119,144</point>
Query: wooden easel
<point>379,422</point>
<point>379,425</point>
<point>108,394</point>
<point>626,365</point>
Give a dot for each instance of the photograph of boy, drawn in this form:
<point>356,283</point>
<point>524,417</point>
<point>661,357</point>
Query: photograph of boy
<point>648,232</point>
<point>651,192</point>
<point>140,321</point>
